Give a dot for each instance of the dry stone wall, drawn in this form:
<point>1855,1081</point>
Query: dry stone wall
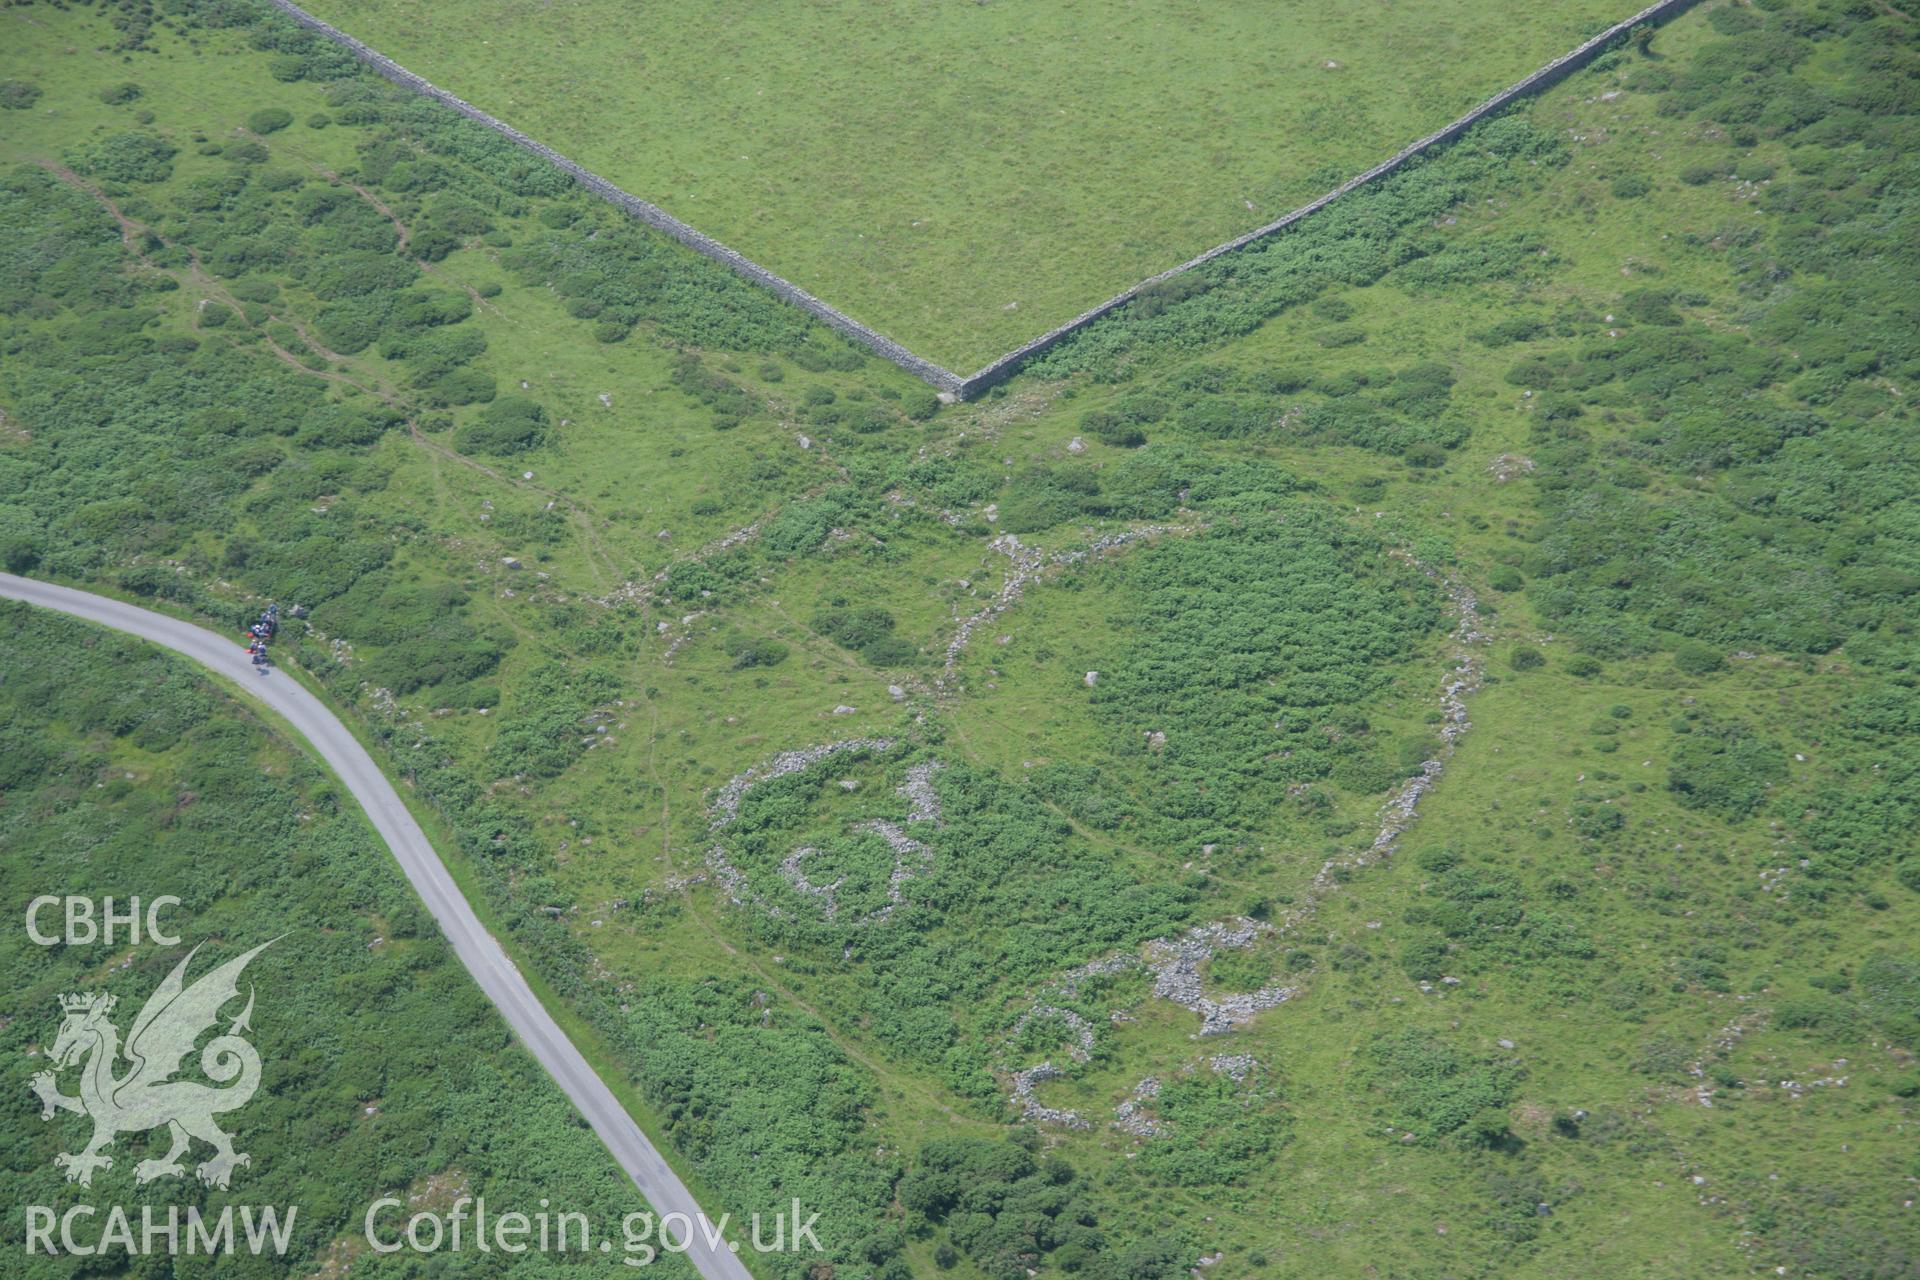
<point>886,348</point>
<point>654,216</point>
<point>1546,77</point>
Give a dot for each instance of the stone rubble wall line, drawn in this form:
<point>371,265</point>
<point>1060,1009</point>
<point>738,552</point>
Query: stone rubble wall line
<point>1234,1066</point>
<point>1175,963</point>
<point>1175,960</point>
<point>1130,1116</point>
<point>726,803</point>
<point>911,857</point>
<point>827,893</point>
<point>1024,1083</point>
<point>999,370</point>
<point>1028,565</point>
<point>923,801</point>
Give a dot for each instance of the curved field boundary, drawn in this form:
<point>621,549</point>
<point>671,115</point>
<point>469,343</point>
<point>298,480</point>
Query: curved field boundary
<point>886,348</point>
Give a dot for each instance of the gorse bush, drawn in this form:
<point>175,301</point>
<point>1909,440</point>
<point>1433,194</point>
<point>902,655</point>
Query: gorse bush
<point>1214,1130</point>
<point>1725,768</point>
<point>511,424</point>
<point>1012,1213</point>
<point>627,274</point>
<point>1435,1091</point>
<point>1247,646</point>
<point>1787,415</point>
<point>124,158</point>
<point>867,630</point>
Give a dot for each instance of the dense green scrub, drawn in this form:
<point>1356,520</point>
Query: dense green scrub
<point>1791,527</point>
<point>385,1070</point>
<point>1567,365</point>
<point>223,439</point>
<point>1252,647</point>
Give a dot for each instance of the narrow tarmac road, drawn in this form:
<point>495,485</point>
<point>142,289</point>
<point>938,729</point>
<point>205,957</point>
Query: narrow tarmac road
<point>483,957</point>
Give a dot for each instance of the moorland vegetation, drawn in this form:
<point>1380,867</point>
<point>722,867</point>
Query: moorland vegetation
<point>585,528</point>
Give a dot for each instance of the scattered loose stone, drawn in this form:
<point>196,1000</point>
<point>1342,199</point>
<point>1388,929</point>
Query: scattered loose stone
<point>1234,1066</point>
<point>1128,1116</point>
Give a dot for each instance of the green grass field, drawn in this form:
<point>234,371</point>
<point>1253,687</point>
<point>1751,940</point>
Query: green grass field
<point>965,177</point>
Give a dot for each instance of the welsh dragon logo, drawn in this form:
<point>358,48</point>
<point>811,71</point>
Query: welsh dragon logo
<point>146,1096</point>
